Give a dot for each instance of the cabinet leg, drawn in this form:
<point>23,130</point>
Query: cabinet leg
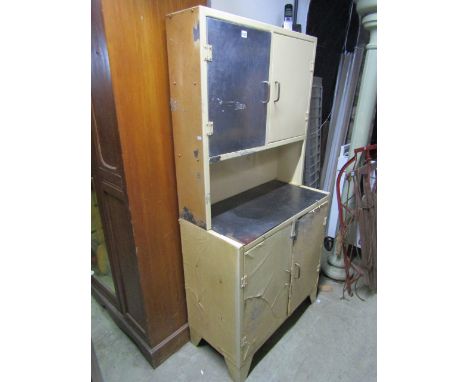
<point>313,295</point>
<point>238,374</point>
<point>195,338</point>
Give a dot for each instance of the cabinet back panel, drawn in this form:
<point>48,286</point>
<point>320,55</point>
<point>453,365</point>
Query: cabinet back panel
<point>233,176</point>
<point>291,164</point>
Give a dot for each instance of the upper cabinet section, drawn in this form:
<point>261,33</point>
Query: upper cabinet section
<point>292,66</point>
<point>254,81</point>
<point>238,86</point>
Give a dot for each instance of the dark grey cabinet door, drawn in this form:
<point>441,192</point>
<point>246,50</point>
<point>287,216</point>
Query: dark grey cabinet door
<point>238,89</point>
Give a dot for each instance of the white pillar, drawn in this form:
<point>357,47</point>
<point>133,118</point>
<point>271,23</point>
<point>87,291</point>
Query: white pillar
<point>365,110</point>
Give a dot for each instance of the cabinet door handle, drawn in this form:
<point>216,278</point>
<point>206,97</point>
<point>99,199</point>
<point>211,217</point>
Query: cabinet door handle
<point>268,91</point>
<point>297,270</point>
<point>278,91</point>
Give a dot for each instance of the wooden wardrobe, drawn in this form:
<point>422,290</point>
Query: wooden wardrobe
<point>133,174</point>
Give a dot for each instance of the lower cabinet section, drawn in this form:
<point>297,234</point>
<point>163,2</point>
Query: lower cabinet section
<point>237,296</point>
<point>306,253</point>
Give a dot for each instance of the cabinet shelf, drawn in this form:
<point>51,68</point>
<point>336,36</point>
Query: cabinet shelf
<point>250,214</point>
<point>236,154</point>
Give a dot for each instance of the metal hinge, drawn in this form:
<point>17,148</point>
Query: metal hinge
<point>209,128</point>
<point>243,341</point>
<point>293,230</point>
<point>208,52</point>
<point>243,282</point>
<point>325,221</point>
<point>311,65</point>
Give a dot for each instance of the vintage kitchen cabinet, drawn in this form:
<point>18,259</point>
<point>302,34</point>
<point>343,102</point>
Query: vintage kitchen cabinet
<point>251,232</point>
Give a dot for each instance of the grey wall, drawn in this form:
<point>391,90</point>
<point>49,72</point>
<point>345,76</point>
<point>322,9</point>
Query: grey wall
<point>267,11</point>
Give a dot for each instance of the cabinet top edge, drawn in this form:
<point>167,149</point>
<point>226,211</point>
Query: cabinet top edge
<point>321,202</point>
<point>210,12</point>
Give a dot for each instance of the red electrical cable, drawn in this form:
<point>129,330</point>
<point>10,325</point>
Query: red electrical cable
<point>343,225</point>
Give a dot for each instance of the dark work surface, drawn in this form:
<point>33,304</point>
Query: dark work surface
<point>250,214</point>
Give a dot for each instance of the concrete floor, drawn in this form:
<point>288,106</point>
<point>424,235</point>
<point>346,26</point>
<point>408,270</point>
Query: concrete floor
<point>331,340</point>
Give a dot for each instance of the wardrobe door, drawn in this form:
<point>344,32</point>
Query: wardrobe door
<point>238,88</point>
<point>109,186</point>
<point>291,83</point>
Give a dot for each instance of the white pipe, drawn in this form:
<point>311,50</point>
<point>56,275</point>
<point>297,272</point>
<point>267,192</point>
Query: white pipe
<point>365,109</point>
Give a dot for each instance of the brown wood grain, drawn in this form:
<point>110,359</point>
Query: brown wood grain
<point>103,115</point>
<point>135,32</point>
<point>108,178</point>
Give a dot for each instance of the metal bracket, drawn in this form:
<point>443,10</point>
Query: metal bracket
<point>318,208</point>
<point>243,282</point>
<point>248,253</point>
<point>297,270</point>
<point>209,128</point>
<point>208,52</point>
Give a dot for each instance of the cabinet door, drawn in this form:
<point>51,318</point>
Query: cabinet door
<point>266,293</point>
<point>291,82</point>
<point>306,252</point>
<point>238,88</point>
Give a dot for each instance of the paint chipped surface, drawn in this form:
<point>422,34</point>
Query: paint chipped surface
<point>230,105</point>
<point>173,103</point>
<point>215,159</point>
<point>196,32</point>
<point>186,214</point>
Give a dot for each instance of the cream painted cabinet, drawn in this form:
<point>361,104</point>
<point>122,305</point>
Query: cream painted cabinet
<point>305,259</point>
<point>251,232</point>
<point>267,277</point>
<point>239,295</point>
<point>292,65</point>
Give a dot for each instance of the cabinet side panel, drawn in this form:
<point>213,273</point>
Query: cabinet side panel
<point>212,287</point>
<point>183,43</point>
